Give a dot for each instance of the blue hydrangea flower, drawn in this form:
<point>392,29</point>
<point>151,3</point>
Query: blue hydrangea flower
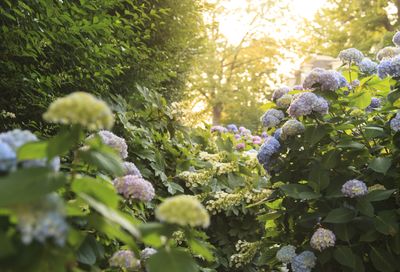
<point>54,164</point>
<point>131,169</point>
<point>264,135</point>
<point>385,68</point>
<point>232,128</point>
<point>395,122</point>
<point>278,133</point>
<point>43,220</point>
<point>219,129</point>
<point>351,55</point>
<point>395,67</point>
<point>340,78</point>
<point>304,262</point>
<point>134,187</point>
<point>286,253</point>
<point>146,253</point>
<point>16,138</point>
<point>368,67</point>
<point>8,158</point>
<point>298,87</point>
<point>267,149</point>
<point>355,83</point>
<point>272,118</point>
<point>307,103</point>
<point>354,188</point>
<point>375,103</point>
<point>278,93</point>
<point>325,80</point>
<point>322,239</point>
<point>396,38</point>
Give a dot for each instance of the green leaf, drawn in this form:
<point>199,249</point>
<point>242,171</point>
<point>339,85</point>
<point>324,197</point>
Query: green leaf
<point>28,185</point>
<point>200,248</point>
<point>172,260</point>
<point>380,165</point>
<point>351,144</point>
<point>339,215</point>
<point>361,100</point>
<point>299,191</point>
<point>331,159</point>
<point>103,160</point>
<point>319,177</point>
<point>111,214</point>
<point>373,132</point>
<point>386,222</point>
<point>345,256</point>
<point>99,189</point>
<point>382,260</point>
<point>365,207</point>
<point>379,195</point>
<point>32,151</point>
<point>344,231</point>
<point>63,141</point>
<point>314,134</point>
<point>369,236</point>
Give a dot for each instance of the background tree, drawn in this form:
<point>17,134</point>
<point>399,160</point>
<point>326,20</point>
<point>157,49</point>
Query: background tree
<point>365,24</point>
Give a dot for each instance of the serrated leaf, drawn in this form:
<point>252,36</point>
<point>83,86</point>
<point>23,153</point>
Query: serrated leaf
<point>339,215</point>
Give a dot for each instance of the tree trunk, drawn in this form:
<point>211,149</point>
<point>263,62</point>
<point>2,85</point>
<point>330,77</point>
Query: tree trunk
<point>217,111</point>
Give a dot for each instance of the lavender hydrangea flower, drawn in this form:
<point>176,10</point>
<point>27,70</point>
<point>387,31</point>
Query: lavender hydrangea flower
<point>395,123</point>
<point>291,128</point>
<point>322,239</point>
<point>264,135</point>
<point>42,220</point>
<point>396,39</point>
<point>232,128</point>
<point>278,93</point>
<point>385,68</point>
<point>355,83</point>
<point>257,140</point>
<point>219,129</point>
<point>131,169</point>
<point>306,103</point>
<point>240,146</point>
<point>237,136</point>
<point>244,131</point>
<point>115,142</point>
<point>304,262</point>
<point>286,253</point>
<point>375,103</point>
<point>351,55</point>
<point>146,253</point>
<point>395,67</point>
<point>298,87</point>
<point>272,118</point>
<point>325,80</point>
<point>134,187</point>
<point>387,53</point>
<point>126,260</point>
<point>8,158</point>
<point>368,67</point>
<point>354,188</point>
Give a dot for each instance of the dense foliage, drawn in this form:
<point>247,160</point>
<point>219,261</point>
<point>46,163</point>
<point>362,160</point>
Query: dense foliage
<point>52,48</point>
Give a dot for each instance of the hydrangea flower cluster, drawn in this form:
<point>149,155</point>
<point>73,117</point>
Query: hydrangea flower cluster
<point>286,254</point>
<point>219,129</point>
<point>278,93</point>
<point>396,39</point>
<point>322,239</point>
<point>307,103</point>
<point>14,139</point>
<point>146,253</point>
<point>351,55</point>
<point>354,188</point>
<point>134,187</point>
<point>221,168</point>
<point>42,220</point>
<point>368,67</point>
<point>385,68</point>
<point>218,157</point>
<point>304,262</point>
<point>195,178</point>
<point>324,79</point>
<point>272,118</point>
<point>395,123</point>
<point>183,210</point>
<point>232,128</point>
<point>246,252</point>
<point>284,101</point>
<point>267,150</point>
<point>115,142</point>
<point>240,146</point>
<point>257,140</point>
<point>125,259</point>
<point>80,108</point>
<point>387,53</point>
<point>291,127</point>
<point>375,103</point>
<point>131,169</point>
<point>223,201</point>
<point>8,158</point>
